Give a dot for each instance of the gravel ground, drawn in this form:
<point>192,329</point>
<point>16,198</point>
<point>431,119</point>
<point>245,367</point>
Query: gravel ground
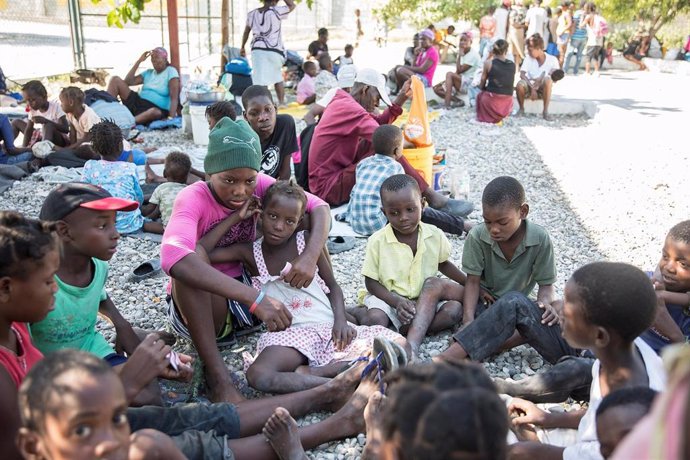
<point>486,151</point>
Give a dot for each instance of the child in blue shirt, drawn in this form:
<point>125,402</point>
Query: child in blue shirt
<point>117,177</point>
<point>364,212</point>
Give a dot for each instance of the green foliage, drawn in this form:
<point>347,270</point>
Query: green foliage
<point>654,13</point>
<point>422,12</point>
<point>124,11</point>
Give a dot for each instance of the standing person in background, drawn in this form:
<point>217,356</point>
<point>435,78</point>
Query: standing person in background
<point>487,29</point>
<point>578,39</point>
<point>565,24</point>
<point>594,40</point>
<point>501,16</point>
<point>536,20</point>
<point>516,32</point>
<point>268,51</point>
<point>358,22</point>
<point>552,23</point>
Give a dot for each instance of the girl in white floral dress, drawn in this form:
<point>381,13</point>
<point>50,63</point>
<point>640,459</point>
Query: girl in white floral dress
<point>320,340</point>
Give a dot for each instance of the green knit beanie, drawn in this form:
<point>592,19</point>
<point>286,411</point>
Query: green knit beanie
<point>232,145</point>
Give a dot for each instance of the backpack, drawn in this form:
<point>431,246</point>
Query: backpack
<point>601,27</point>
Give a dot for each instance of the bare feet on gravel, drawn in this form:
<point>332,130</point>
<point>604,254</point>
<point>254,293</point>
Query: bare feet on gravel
<point>373,417</point>
<point>341,388</point>
<point>282,433</point>
<point>351,415</point>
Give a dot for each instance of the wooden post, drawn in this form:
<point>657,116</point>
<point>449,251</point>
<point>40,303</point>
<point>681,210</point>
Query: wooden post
<point>173,34</point>
<point>224,31</point>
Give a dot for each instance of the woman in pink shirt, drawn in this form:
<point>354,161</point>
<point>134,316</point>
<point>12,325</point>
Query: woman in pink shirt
<point>207,303</point>
<point>425,64</point>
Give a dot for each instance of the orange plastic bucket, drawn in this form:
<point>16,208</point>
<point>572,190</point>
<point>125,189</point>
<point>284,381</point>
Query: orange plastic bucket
<point>422,159</point>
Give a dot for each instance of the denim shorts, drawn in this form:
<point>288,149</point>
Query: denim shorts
<point>424,80</point>
<point>200,431</point>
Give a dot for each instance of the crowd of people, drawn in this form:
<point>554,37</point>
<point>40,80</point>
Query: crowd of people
<point>244,246</point>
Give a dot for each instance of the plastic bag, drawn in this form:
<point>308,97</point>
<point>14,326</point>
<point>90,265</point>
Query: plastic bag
<point>416,129</point>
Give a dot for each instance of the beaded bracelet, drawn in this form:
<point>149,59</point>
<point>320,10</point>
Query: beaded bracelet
<point>256,303</point>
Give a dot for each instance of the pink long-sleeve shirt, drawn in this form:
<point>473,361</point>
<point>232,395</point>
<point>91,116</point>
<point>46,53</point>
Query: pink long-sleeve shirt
<point>196,212</point>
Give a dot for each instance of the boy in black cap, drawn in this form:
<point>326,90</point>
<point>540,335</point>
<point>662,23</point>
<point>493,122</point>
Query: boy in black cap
<point>85,216</point>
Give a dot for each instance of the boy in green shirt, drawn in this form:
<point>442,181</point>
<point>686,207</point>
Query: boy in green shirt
<point>506,256</point>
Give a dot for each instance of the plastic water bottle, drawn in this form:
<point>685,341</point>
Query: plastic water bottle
<point>456,180</point>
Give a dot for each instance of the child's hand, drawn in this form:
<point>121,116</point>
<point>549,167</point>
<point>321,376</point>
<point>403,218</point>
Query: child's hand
<point>184,372</point>
<point>250,208</point>
<point>550,315</point>
<point>525,412</point>
<point>406,309</point>
<point>148,361</point>
<point>485,297</point>
<point>343,334</point>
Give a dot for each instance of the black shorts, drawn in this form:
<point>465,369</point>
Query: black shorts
<point>136,104</point>
<point>593,52</point>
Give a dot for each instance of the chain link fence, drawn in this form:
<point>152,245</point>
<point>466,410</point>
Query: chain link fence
<point>36,35</point>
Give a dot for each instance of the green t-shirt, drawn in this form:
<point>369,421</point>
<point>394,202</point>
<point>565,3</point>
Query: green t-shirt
<point>72,324</point>
<point>533,262</point>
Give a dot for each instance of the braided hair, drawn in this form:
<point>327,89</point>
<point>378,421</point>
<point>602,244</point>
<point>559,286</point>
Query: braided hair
<point>106,140</point>
<point>23,240</point>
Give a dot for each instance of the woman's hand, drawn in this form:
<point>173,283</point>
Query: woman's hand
<point>243,53</point>
<point>343,334</point>
<point>274,314</point>
<point>144,56</point>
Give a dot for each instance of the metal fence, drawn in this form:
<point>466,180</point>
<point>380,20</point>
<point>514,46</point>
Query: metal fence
<point>48,37</point>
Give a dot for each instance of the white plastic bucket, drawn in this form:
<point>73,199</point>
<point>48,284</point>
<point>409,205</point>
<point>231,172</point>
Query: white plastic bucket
<point>199,124</point>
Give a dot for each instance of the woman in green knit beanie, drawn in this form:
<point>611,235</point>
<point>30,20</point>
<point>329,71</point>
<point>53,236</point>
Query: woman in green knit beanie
<point>209,302</point>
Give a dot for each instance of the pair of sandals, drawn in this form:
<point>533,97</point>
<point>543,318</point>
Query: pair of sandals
<point>387,357</point>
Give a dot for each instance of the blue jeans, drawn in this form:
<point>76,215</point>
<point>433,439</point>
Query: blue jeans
<point>199,431</point>
<point>576,46</point>
<point>482,44</point>
<point>7,138</point>
<point>514,311</point>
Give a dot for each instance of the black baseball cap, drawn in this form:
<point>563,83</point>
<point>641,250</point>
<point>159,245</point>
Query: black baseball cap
<point>65,198</point>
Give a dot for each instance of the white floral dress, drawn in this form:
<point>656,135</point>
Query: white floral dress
<point>311,331</point>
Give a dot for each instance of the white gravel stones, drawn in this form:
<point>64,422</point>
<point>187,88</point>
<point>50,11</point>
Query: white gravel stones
<point>485,151</point>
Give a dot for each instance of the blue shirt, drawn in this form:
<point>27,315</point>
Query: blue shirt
<point>655,340</point>
<point>579,33</point>
<point>155,88</point>
<point>121,180</point>
<point>364,211</point>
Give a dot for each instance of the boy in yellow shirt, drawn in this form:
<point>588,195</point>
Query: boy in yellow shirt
<point>400,259</point>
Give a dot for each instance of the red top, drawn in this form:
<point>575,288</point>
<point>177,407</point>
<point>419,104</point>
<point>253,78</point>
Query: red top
<point>336,142</point>
<point>19,364</point>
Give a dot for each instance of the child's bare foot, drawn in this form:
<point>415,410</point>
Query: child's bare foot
<point>373,416</point>
<point>351,415</point>
<point>340,389</point>
<point>282,432</point>
<point>520,113</point>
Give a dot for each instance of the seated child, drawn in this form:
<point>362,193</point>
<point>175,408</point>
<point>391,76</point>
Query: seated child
<point>671,325</point>
<point>345,59</point>
<point>81,119</point>
<point>507,254</point>
<point>364,212</point>
<point>85,216</point>
<point>177,167</point>
<point>29,259</point>
<point>326,79</point>
<point>399,258</point>
<point>73,405</point>
<point>618,414</point>
<point>218,110</point>
<point>306,93</point>
<point>319,335</point>
<point>119,178</point>
<point>44,114</point>
<point>606,307</point>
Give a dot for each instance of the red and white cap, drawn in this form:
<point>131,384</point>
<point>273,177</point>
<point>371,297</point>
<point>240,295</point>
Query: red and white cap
<point>65,198</point>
